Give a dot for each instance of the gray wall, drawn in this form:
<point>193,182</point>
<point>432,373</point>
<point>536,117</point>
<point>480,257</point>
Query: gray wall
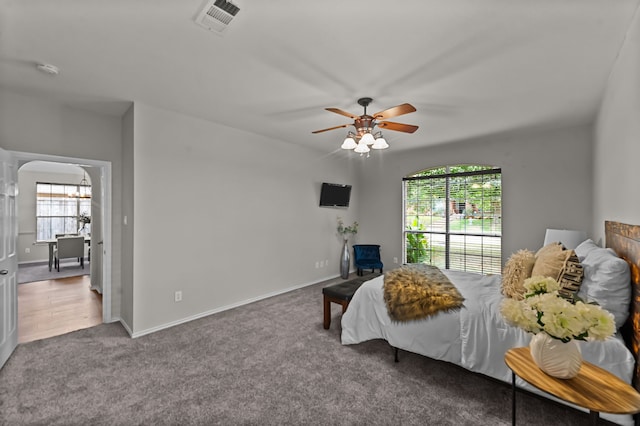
<point>617,140</point>
<point>35,125</point>
<point>224,216</point>
<point>546,178</point>
<point>126,305</point>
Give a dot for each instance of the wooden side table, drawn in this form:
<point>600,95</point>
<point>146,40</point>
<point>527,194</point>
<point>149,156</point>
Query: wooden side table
<point>593,388</point>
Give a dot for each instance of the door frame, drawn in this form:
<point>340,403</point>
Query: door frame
<point>21,158</point>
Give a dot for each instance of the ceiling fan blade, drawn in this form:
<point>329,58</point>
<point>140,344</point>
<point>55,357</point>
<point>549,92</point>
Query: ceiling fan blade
<point>399,127</point>
<point>332,128</point>
<point>394,111</point>
<point>341,112</point>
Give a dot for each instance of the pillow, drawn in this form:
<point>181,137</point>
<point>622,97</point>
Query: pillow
<point>571,276</point>
<point>585,247</point>
<point>550,260</point>
<point>562,265</point>
<point>517,269</point>
<point>607,282</point>
<point>550,248</point>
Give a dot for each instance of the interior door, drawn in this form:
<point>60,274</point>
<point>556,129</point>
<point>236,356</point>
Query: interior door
<point>8,257</point>
<point>97,187</point>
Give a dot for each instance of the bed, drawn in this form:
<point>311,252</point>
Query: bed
<point>476,337</point>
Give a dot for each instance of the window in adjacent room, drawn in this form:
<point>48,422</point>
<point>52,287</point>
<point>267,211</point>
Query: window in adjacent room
<point>62,209</point>
<point>453,218</point>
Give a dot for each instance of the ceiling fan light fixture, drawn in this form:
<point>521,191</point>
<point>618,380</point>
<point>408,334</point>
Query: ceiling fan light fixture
<point>367,138</point>
<point>349,142</point>
<point>380,142</point>
<point>362,147</point>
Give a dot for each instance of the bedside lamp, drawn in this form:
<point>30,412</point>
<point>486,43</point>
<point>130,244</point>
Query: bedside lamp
<point>570,239</point>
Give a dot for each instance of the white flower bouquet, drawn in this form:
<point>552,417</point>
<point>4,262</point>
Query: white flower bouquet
<point>544,310</point>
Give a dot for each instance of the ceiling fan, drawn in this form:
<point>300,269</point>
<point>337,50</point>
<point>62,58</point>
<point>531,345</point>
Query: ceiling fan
<point>365,123</point>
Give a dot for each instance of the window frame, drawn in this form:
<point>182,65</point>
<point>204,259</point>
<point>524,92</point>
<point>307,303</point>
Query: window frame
<point>79,194</point>
<point>426,247</point>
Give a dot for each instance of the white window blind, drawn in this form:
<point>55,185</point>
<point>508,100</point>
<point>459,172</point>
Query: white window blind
<point>453,218</point>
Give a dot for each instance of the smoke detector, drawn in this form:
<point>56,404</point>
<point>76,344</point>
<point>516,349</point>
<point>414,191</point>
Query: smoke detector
<point>48,69</point>
<point>216,15</point>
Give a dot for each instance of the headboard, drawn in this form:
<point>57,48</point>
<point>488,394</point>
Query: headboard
<point>625,241</point>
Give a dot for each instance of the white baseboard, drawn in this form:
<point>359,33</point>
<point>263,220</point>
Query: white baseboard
<point>221,309</point>
<point>124,324</point>
<point>33,262</point>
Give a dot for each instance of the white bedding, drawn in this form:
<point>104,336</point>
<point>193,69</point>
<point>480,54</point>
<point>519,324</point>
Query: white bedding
<point>476,337</point>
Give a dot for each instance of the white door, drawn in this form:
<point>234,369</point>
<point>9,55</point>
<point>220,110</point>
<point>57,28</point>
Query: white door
<point>8,257</point>
<point>96,232</point>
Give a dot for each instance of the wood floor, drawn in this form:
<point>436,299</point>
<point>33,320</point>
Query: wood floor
<point>53,307</point>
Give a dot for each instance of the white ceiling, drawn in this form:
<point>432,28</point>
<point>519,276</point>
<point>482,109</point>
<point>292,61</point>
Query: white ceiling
<point>470,67</point>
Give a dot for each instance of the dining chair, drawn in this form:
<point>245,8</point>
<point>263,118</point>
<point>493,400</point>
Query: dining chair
<point>67,235</point>
<point>67,247</point>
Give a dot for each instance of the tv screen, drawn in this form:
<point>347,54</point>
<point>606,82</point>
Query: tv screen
<point>335,195</point>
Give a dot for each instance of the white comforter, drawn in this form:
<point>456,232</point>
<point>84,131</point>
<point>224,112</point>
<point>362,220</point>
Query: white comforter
<point>476,337</point>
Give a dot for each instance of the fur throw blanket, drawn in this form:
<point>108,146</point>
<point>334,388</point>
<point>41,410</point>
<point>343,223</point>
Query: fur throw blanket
<point>413,292</point>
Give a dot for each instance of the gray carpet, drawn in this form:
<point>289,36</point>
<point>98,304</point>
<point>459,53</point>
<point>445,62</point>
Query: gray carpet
<point>267,363</point>
<point>40,271</point>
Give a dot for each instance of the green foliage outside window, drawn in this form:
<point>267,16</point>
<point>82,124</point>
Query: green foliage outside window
<point>416,245</point>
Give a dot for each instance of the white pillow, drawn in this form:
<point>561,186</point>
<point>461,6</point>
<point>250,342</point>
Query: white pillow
<point>606,281</point>
<point>584,248</point>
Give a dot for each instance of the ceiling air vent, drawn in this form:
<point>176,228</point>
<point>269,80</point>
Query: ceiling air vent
<point>216,15</point>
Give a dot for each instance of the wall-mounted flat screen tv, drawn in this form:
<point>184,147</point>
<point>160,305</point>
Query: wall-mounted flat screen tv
<point>335,195</point>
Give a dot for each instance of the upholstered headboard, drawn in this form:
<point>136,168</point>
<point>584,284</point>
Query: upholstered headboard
<point>625,241</point>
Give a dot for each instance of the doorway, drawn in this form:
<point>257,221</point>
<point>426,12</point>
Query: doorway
<point>100,174</point>
<point>49,203</point>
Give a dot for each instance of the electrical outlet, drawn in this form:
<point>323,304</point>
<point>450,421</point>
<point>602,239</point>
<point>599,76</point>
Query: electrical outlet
<point>326,262</point>
<point>178,296</point>
<point>27,250</point>
<point>322,263</point>
<point>317,264</point>
<point>395,260</point>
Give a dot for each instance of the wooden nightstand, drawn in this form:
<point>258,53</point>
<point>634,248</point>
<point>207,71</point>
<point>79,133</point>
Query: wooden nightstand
<point>593,388</point>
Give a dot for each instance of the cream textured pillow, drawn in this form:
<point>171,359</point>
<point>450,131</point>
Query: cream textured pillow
<point>517,269</point>
<point>562,265</point>
<point>554,247</point>
<point>550,260</point>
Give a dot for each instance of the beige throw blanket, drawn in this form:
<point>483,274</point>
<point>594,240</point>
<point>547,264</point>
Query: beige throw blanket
<point>413,292</point>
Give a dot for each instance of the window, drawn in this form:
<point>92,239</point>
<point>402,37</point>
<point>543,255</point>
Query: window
<point>59,208</point>
<point>453,218</point>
